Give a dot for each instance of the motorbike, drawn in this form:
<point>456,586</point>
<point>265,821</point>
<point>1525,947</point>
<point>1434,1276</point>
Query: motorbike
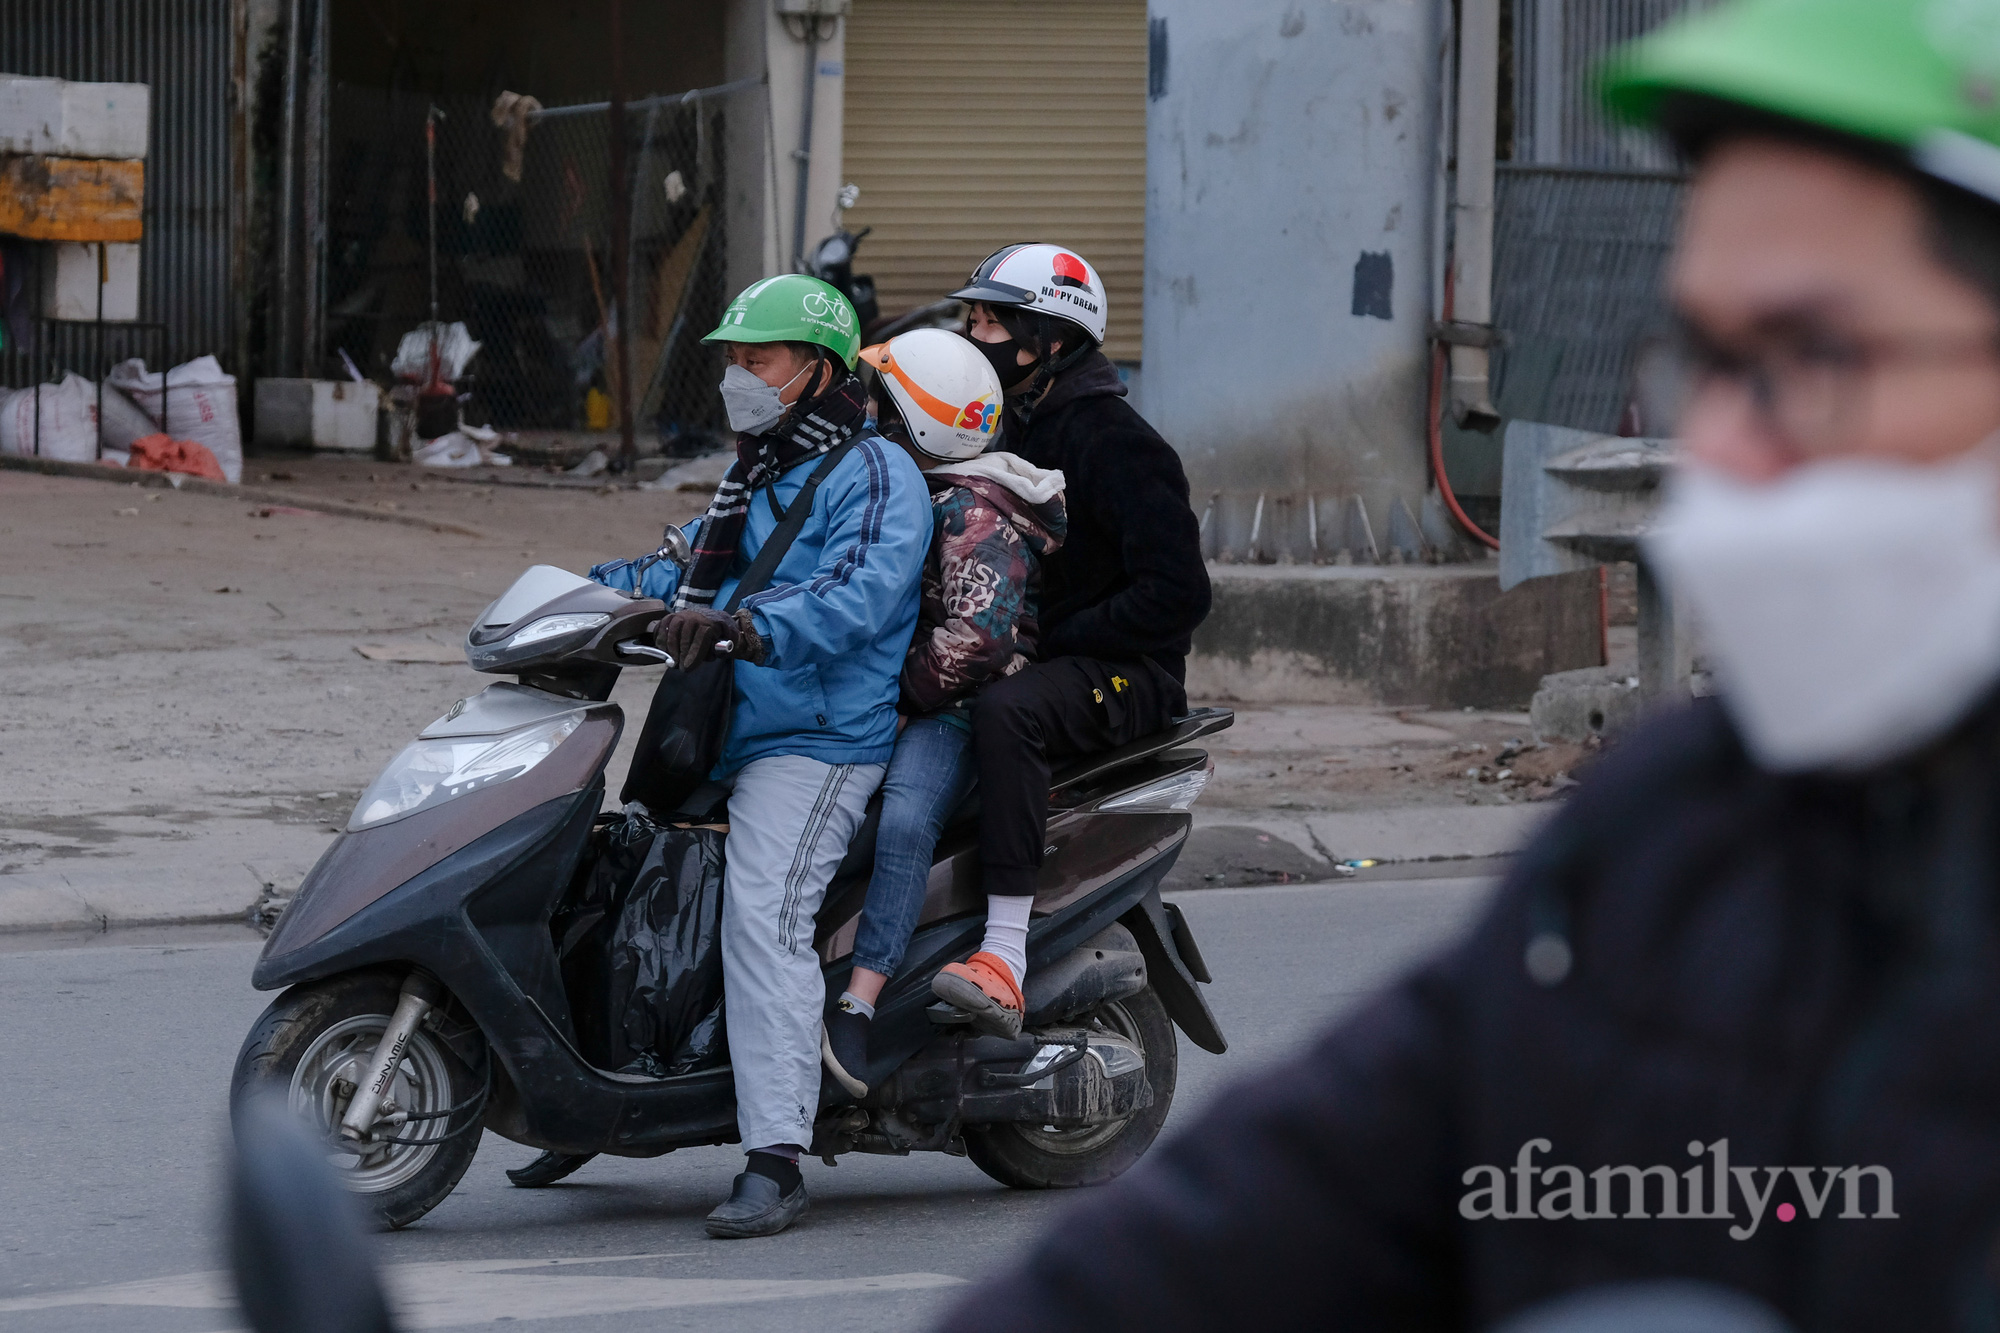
<point>423,1000</point>
<point>832,262</point>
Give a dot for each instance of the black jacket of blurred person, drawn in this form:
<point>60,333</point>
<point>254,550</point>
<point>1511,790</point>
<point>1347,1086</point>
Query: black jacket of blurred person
<point>1805,966</point>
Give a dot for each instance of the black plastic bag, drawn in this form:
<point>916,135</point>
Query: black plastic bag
<point>640,940</point>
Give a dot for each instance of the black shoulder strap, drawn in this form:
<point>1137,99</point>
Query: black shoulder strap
<point>781,537</point>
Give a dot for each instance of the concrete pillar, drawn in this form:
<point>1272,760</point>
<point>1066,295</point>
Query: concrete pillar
<point>1289,181</point>
<point>761,211</point>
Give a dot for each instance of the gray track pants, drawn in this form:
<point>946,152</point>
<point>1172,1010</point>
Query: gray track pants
<point>790,820</point>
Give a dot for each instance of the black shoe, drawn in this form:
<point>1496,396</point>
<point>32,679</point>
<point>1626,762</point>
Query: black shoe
<point>548,1169</point>
<point>843,1049</point>
<point>756,1208</point>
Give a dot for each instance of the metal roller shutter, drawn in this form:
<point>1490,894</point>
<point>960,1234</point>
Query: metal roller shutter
<point>974,123</point>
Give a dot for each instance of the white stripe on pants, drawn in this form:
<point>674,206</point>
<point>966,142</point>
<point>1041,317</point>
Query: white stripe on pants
<point>790,820</point>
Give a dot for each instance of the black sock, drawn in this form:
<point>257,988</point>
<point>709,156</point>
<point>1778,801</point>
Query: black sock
<point>774,1167</point>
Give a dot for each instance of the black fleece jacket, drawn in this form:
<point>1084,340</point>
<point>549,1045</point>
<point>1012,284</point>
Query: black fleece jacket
<point>1128,581</point>
<point>1807,968</point>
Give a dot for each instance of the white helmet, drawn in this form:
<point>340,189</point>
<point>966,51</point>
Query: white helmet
<point>1046,279</point>
<point>947,393</point>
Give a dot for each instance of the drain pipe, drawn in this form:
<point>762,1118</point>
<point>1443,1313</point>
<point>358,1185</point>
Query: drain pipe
<point>804,153</point>
<point>287,194</point>
<point>809,13</point>
<point>1472,213</point>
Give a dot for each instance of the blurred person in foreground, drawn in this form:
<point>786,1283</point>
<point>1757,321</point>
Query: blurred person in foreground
<point>1735,1014</point>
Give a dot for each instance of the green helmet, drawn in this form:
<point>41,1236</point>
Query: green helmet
<point>792,308</point>
<point>1922,76</point>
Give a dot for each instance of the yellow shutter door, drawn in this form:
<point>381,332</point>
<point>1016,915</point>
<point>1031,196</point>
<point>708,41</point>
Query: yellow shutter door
<point>971,124</point>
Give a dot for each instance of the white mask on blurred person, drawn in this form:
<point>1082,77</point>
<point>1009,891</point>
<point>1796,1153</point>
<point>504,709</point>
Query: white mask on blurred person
<point>1850,609</point>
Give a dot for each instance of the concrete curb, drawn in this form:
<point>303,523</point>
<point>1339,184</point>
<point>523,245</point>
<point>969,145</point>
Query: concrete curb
<point>216,877</point>
<point>99,895</point>
<point>252,494</point>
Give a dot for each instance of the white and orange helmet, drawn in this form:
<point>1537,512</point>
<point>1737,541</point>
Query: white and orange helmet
<point>1046,279</point>
<point>947,393</point>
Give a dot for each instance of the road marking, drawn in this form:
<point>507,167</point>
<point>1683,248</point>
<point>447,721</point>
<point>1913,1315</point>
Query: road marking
<point>458,1293</point>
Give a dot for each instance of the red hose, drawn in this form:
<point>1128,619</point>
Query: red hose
<point>1436,424</point>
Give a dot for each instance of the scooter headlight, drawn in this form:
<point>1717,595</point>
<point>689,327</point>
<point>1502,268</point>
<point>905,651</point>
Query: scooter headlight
<point>1177,792</point>
<point>431,772</point>
<point>548,627</point>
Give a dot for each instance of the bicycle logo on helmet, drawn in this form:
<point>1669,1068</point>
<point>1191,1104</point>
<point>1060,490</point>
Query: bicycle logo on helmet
<point>817,306</point>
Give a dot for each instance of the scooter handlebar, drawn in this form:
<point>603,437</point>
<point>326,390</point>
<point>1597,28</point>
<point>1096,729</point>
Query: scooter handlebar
<point>634,648</point>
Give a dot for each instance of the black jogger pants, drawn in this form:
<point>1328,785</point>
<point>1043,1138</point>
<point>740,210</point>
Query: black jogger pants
<point>1053,710</point>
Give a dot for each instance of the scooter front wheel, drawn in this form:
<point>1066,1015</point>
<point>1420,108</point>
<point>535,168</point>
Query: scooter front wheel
<point>310,1046</point>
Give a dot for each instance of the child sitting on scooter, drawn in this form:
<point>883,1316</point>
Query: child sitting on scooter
<point>996,517</point>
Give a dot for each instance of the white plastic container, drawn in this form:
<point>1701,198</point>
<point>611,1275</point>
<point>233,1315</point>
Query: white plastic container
<point>322,414</point>
<point>69,273</point>
<point>65,119</point>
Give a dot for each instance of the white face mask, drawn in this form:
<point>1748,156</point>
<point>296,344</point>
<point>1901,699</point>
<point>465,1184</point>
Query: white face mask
<point>753,405</point>
<point>1851,608</point>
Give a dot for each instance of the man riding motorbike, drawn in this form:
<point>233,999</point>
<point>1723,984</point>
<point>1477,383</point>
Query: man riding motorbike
<point>1119,600</point>
<point>817,656</point>
<point>1758,954</point>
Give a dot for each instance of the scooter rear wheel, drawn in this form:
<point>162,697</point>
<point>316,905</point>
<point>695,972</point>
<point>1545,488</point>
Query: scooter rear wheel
<point>307,1048</point>
<point>1043,1157</point>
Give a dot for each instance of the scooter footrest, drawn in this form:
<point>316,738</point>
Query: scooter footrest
<point>947,1015</point>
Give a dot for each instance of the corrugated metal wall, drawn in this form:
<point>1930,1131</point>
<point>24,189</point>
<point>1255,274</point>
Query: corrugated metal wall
<point>1584,218</point>
<point>974,123</point>
<point>1557,46</point>
<point>183,50</point>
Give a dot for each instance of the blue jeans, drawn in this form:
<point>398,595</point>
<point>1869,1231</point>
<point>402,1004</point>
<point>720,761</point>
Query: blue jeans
<point>928,776</point>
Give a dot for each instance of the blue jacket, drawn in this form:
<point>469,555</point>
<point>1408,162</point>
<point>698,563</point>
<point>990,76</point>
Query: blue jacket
<point>836,617</point>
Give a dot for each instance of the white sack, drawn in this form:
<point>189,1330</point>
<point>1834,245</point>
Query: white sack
<point>124,421</point>
<point>202,405</point>
<point>413,353</point>
<point>452,450</point>
<point>68,426</point>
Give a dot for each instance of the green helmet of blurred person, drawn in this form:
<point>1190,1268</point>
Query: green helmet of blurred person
<point>792,308</point>
<point>1917,80</point>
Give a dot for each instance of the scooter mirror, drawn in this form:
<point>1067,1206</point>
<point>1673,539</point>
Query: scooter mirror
<point>674,546</point>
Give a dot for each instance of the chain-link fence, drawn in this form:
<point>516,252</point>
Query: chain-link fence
<point>524,237</point>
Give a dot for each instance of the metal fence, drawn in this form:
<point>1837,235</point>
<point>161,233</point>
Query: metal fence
<point>526,263</point>
<point>182,50</point>
<point>1578,258</point>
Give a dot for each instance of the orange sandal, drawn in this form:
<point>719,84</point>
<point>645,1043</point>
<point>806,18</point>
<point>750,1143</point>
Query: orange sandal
<point>983,986</point>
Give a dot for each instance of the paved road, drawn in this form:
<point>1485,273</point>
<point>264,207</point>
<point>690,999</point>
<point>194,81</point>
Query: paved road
<point>116,1057</point>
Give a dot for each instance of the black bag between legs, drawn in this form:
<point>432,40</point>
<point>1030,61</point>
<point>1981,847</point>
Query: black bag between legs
<point>640,942</point>
<point>688,722</point>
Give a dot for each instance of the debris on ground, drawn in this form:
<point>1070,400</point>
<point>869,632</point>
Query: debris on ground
<point>696,476</point>
<point>270,905</point>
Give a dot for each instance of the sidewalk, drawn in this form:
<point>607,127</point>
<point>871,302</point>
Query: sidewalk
<point>191,714</point>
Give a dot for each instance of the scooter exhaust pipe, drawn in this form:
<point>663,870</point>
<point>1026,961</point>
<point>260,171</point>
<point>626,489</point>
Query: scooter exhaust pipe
<point>420,994</point>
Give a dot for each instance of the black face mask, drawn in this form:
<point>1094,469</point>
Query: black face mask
<point>1005,360</point>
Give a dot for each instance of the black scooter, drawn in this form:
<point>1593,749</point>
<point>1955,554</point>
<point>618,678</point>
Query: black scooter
<point>832,262</point>
<point>424,999</point>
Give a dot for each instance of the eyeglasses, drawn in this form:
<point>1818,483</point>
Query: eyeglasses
<point>1807,386</point>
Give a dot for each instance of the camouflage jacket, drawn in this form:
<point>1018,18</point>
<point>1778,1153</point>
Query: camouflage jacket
<point>996,518</point>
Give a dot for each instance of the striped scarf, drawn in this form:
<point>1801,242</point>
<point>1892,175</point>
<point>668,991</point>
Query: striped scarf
<point>831,419</point>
